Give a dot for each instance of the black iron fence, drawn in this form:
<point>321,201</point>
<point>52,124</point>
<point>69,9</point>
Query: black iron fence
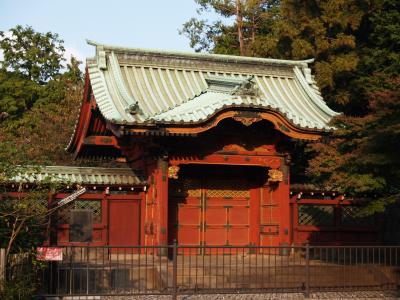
<point>175,270</point>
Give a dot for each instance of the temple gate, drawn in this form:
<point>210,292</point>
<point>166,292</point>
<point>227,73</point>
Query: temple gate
<point>210,134</point>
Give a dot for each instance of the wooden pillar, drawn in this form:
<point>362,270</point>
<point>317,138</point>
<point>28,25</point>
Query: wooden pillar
<point>162,200</point>
<point>255,216</point>
<point>284,200</point>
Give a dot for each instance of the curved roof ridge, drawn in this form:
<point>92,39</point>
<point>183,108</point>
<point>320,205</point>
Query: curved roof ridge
<point>129,100</point>
<point>216,57</point>
<point>318,101</point>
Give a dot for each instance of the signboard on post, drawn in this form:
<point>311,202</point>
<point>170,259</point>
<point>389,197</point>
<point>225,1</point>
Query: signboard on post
<point>71,197</point>
<point>49,254</point>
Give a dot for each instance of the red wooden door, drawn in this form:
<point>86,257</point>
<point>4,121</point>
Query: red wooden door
<point>185,212</point>
<point>226,212</point>
<point>124,222</point>
<point>214,212</point>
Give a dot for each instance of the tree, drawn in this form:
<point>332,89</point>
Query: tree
<point>328,31</point>
<point>73,73</point>
<point>17,94</point>
<point>250,18</point>
<point>30,70</point>
<point>23,220</point>
<point>37,56</point>
<point>24,225</point>
<point>40,135</point>
<point>37,105</point>
<point>361,158</point>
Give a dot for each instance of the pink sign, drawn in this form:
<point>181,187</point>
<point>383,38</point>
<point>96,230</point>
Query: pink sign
<point>49,253</point>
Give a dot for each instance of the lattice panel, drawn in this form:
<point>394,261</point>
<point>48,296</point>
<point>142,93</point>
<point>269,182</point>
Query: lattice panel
<point>93,205</point>
<point>214,189</point>
<point>227,193</point>
<point>350,216</point>
<point>316,215</point>
<point>228,189</point>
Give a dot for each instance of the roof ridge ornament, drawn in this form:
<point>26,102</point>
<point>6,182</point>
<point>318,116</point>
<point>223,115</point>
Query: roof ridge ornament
<point>232,85</point>
<point>101,57</point>
<point>247,88</point>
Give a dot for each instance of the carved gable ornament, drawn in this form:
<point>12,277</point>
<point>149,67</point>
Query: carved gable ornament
<point>233,85</point>
<point>247,117</point>
<point>247,88</point>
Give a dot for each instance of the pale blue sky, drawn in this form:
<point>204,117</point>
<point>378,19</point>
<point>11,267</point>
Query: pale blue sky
<point>135,23</point>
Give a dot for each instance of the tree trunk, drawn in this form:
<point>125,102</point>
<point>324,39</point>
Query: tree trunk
<point>253,35</point>
<point>15,231</point>
<point>239,21</point>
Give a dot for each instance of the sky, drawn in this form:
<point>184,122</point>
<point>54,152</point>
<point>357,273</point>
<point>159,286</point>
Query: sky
<point>136,23</point>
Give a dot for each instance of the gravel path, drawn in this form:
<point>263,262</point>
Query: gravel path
<point>270,296</point>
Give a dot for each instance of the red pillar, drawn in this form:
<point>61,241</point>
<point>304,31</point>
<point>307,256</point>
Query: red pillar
<point>161,184</point>
<point>284,200</point>
<point>255,216</point>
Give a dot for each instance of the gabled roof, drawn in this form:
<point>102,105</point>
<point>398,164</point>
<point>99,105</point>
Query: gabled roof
<point>81,175</point>
<point>139,87</point>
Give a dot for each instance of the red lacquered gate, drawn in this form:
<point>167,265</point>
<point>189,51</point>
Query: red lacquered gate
<point>213,210</point>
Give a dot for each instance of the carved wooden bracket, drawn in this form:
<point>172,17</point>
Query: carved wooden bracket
<point>275,175</point>
<point>173,172</point>
<point>247,121</point>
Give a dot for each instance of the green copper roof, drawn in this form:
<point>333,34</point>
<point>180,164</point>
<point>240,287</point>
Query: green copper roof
<point>135,86</point>
<point>82,175</point>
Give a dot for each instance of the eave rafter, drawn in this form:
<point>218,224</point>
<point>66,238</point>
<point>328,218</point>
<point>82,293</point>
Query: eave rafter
<point>99,140</point>
<point>246,117</point>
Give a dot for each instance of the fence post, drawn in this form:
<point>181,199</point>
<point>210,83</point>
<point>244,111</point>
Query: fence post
<point>174,270</point>
<point>71,279</point>
<point>307,291</point>
<point>2,267</point>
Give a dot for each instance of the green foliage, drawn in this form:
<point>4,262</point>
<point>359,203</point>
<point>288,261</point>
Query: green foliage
<point>382,53</point>
<point>41,134</point>
<point>30,71</point>
<point>37,105</point>
<point>24,278</point>
<point>35,55</point>
<point>23,220</point>
<point>327,31</point>
<point>17,94</point>
<point>252,20</point>
<point>38,109</point>
<point>73,74</point>
<point>361,158</point>
<point>24,225</point>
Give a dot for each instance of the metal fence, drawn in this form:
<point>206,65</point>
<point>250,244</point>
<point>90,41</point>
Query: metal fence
<point>174,270</point>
